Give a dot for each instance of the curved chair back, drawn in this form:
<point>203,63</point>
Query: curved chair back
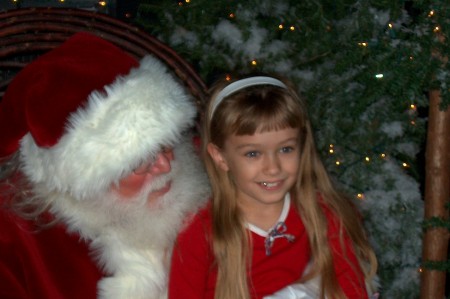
<point>27,33</point>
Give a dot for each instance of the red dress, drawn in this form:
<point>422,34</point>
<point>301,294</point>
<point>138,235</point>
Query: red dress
<point>193,274</point>
<point>45,264</point>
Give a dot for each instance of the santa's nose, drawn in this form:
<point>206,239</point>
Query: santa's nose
<point>162,162</point>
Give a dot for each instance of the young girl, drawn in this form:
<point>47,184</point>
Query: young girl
<point>275,219</point>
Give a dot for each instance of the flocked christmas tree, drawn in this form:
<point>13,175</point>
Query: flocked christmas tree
<point>365,67</point>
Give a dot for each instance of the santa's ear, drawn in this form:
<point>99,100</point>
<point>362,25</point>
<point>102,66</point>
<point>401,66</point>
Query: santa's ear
<point>217,156</point>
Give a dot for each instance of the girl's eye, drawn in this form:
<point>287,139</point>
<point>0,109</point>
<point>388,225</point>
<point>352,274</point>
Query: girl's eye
<point>287,149</point>
<point>251,154</point>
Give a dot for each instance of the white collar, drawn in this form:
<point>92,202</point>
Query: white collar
<point>282,218</point>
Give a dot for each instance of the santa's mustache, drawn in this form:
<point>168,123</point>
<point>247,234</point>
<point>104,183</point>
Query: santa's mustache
<point>154,186</point>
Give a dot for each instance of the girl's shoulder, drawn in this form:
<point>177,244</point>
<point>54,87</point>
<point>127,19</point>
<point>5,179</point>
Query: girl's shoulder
<point>194,239</point>
<point>332,216</point>
<point>200,221</point>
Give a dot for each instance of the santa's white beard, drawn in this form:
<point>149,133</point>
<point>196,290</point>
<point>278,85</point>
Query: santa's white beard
<point>135,219</point>
<point>149,224</point>
<point>132,238</point>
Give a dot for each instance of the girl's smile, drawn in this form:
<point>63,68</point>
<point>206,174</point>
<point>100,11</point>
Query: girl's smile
<point>270,185</point>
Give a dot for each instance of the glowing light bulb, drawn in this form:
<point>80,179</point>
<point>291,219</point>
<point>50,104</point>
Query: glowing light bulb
<point>360,196</point>
<point>228,77</point>
<point>362,44</point>
<point>331,150</point>
<point>379,76</point>
<point>338,162</point>
<point>292,28</point>
<point>437,29</point>
<point>431,13</point>
<point>231,15</point>
<point>367,159</point>
<point>280,26</point>
<point>254,63</point>
<point>102,3</point>
<point>383,155</point>
<point>390,25</point>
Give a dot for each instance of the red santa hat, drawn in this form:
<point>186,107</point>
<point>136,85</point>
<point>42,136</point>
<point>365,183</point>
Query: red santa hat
<point>86,113</point>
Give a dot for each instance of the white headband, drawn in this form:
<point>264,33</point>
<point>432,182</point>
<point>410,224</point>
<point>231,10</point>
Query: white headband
<point>241,84</point>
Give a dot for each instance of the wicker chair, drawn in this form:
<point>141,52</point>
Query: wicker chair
<point>27,33</point>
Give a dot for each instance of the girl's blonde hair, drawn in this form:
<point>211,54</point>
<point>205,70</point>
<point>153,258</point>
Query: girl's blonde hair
<point>265,108</point>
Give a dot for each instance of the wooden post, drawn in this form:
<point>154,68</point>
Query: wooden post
<point>437,192</point>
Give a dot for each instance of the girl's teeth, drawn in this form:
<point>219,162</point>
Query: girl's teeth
<point>269,184</point>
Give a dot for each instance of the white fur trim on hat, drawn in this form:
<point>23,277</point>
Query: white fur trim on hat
<point>113,133</point>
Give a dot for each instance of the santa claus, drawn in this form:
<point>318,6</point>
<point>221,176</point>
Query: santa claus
<point>98,172</point>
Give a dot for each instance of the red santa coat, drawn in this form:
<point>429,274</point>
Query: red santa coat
<point>47,263</point>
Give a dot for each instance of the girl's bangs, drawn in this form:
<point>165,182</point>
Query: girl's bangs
<point>267,116</point>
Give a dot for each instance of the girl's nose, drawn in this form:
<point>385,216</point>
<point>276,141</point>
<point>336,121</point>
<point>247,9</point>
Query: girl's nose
<point>162,162</point>
<point>272,165</point>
